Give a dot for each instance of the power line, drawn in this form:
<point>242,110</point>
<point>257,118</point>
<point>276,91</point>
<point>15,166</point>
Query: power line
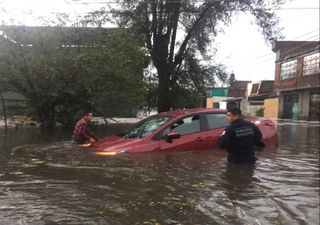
<point>311,39</point>
<point>299,46</point>
<point>272,54</point>
<point>298,17</point>
<point>269,69</point>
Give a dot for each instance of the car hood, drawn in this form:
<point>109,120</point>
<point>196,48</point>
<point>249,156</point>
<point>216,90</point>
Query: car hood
<point>115,144</point>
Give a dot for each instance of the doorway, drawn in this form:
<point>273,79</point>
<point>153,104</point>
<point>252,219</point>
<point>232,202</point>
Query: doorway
<point>290,106</point>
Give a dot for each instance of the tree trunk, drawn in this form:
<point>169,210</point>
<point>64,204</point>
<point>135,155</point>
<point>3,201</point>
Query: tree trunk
<point>165,98</point>
<point>47,116</point>
<point>4,112</point>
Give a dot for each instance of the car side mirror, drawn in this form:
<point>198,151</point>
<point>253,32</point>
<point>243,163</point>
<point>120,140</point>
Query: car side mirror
<point>172,135</point>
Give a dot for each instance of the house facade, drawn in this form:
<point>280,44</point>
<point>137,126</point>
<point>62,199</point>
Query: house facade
<point>227,97</point>
<point>297,79</point>
<point>256,94</point>
<point>215,96</point>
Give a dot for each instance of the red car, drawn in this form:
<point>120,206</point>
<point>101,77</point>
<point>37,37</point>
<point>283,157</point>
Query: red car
<point>188,129</point>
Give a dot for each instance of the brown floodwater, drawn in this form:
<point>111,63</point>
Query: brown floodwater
<point>45,180</point>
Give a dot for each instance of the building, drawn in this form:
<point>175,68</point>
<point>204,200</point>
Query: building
<point>238,88</point>
<point>226,97</point>
<point>12,103</point>
<point>236,93</point>
<point>297,79</point>
<point>214,97</point>
<point>255,96</point>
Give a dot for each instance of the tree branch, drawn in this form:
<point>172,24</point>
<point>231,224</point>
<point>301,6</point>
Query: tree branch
<point>179,56</point>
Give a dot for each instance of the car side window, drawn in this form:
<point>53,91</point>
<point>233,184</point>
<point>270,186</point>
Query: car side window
<point>185,126</point>
<point>217,120</point>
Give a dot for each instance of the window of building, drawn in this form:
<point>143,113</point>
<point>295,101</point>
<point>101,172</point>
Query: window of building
<point>255,89</point>
<point>288,70</point>
<point>216,105</point>
<point>311,64</point>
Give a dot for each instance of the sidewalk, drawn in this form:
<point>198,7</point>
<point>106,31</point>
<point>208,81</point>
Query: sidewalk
<point>14,121</point>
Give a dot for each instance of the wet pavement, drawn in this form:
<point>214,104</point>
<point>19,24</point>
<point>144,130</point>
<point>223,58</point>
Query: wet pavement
<point>46,180</point>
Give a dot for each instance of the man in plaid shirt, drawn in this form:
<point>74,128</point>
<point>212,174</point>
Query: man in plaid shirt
<point>82,132</point>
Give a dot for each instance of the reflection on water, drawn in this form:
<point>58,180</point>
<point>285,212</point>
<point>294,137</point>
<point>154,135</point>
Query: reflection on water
<point>46,180</point>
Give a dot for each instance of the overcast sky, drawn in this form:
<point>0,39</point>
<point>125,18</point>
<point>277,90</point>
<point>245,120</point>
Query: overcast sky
<point>241,47</point>
<point>244,50</point>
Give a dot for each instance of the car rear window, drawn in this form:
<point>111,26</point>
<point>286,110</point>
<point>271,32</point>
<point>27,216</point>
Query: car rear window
<point>185,126</point>
<point>217,120</point>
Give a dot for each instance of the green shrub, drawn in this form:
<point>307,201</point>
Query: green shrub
<point>260,112</point>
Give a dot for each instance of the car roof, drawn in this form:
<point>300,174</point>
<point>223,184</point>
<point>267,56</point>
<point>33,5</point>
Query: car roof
<point>179,112</point>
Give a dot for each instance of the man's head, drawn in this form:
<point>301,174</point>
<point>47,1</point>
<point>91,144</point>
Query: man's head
<point>233,114</point>
<point>88,116</point>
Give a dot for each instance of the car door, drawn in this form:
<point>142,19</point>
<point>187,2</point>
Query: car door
<point>191,136</point>
<point>214,126</point>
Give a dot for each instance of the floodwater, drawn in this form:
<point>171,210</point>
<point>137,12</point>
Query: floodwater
<point>45,181</point>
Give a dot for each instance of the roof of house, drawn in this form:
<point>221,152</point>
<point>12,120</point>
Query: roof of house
<point>278,45</point>
<point>291,49</point>
<point>239,84</point>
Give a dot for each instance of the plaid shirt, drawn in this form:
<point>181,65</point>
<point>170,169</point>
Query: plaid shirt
<point>82,132</point>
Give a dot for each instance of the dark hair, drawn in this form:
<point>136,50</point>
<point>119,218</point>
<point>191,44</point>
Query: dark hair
<point>86,112</point>
<point>235,111</point>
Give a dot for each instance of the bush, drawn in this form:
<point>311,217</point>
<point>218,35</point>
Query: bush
<point>260,112</point>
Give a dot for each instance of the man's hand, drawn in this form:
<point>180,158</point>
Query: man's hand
<point>223,133</point>
<point>92,140</point>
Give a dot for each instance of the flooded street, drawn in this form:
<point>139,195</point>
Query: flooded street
<point>45,180</point>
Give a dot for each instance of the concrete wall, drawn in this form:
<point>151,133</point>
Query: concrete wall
<point>271,107</point>
<point>209,103</point>
<point>243,106</point>
<point>247,109</point>
<point>252,109</point>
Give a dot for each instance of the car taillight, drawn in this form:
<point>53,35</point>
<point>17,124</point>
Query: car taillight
<point>270,124</point>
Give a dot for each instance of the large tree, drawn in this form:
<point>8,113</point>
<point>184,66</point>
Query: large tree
<point>177,32</point>
<point>62,70</point>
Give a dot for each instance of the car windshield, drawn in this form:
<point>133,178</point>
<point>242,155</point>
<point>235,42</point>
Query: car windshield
<point>145,127</point>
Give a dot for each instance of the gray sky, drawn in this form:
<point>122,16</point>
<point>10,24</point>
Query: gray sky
<point>245,51</point>
<point>241,47</point>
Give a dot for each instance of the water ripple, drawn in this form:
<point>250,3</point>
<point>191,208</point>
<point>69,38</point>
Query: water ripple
<point>58,183</point>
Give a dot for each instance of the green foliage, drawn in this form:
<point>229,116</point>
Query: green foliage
<point>61,70</point>
<point>260,112</point>
<point>232,78</point>
<point>183,60</point>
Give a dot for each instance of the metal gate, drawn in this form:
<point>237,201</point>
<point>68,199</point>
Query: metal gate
<point>314,107</point>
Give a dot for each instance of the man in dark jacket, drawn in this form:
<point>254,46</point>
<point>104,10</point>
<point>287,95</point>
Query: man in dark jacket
<point>240,139</point>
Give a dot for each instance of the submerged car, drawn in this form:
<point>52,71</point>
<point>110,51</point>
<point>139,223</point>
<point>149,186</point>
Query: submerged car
<point>187,129</point>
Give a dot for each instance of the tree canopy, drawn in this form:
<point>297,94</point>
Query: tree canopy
<point>178,34</point>
<point>61,70</point>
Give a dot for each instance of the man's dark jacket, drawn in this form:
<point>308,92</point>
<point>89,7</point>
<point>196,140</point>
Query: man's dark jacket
<point>241,139</point>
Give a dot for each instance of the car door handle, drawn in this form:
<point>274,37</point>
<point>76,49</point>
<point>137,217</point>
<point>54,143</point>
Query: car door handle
<point>199,139</point>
